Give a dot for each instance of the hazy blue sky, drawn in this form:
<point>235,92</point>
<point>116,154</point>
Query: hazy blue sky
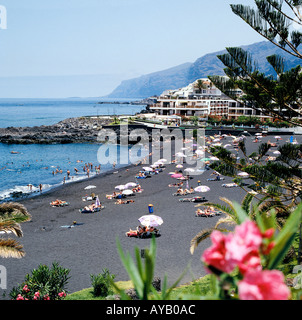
<point>120,39</point>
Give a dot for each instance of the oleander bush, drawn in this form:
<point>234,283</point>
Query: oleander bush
<point>43,283</point>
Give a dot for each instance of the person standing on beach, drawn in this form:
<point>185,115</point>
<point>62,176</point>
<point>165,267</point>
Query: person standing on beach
<point>113,165</point>
<point>40,187</point>
<point>68,174</point>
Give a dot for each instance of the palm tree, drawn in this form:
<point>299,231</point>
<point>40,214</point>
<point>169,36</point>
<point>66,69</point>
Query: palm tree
<point>231,218</point>
<point>11,215</point>
<point>200,85</point>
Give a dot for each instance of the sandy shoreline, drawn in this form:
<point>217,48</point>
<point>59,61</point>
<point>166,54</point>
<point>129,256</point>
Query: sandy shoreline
<point>88,248</point>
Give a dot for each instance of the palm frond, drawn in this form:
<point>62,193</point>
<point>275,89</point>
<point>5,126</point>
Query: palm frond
<point>10,226</point>
<point>201,236</point>
<point>246,202</point>
<point>14,211</point>
<point>221,207</point>
<point>10,248</point>
<point>225,220</point>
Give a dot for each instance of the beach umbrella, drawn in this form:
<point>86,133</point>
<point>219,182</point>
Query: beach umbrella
<point>130,185</point>
<point>189,170</point>
<point>214,158</point>
<point>90,187</point>
<point>179,166</point>
<point>150,220</point>
<point>163,160</point>
<point>227,145</point>
<point>202,189</point>
<point>258,134</point>
<point>176,175</point>
<point>127,192</point>
<point>277,152</point>
<point>180,154</point>
<point>277,137</point>
<point>147,169</point>
<point>243,174</point>
<point>120,187</point>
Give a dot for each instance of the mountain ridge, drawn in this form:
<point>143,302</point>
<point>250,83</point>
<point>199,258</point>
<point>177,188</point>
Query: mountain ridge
<point>182,75</point>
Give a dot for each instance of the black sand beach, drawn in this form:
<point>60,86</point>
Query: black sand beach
<point>90,247</point>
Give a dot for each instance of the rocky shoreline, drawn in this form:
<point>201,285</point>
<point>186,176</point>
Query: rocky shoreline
<point>72,130</point>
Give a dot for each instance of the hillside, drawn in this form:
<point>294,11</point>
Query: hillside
<point>182,75</point>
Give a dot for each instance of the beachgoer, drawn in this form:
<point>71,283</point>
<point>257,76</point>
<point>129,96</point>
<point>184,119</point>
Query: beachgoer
<point>40,187</point>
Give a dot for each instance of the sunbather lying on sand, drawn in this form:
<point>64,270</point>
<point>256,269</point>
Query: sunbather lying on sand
<point>208,212</point>
<point>58,203</point>
<point>142,232</point>
<point>92,207</point>
<point>176,184</point>
<point>120,201</point>
<point>230,185</point>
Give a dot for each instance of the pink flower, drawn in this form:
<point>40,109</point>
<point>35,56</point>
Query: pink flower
<point>215,255</point>
<point>37,295</point>
<point>25,288</point>
<point>268,233</point>
<point>263,285</point>
<point>62,294</point>
<point>247,238</point>
<point>19,297</point>
<point>46,297</point>
<point>251,260</point>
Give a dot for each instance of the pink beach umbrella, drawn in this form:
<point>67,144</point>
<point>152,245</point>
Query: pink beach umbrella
<point>176,175</point>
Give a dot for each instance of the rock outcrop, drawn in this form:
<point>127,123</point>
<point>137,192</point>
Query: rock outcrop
<point>72,130</point>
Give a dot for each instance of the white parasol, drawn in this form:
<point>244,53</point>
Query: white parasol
<point>151,220</point>
<point>202,189</point>
<point>90,187</point>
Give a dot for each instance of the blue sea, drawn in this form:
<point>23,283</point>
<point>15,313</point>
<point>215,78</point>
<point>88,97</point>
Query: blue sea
<point>36,163</point>
<point>37,112</point>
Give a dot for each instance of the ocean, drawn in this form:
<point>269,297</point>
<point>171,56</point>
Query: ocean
<point>37,164</point>
<point>37,112</point>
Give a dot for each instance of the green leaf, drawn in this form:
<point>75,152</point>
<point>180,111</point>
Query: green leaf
<point>131,269</point>
<point>241,214</point>
<point>285,238</point>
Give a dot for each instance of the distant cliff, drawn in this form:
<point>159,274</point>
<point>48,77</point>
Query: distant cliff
<point>182,75</point>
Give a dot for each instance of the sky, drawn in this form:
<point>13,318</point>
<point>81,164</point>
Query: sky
<point>108,41</point>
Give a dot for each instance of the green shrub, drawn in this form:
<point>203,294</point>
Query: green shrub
<point>43,283</point>
<point>101,283</point>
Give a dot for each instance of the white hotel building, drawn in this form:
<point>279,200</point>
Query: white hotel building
<point>201,102</point>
